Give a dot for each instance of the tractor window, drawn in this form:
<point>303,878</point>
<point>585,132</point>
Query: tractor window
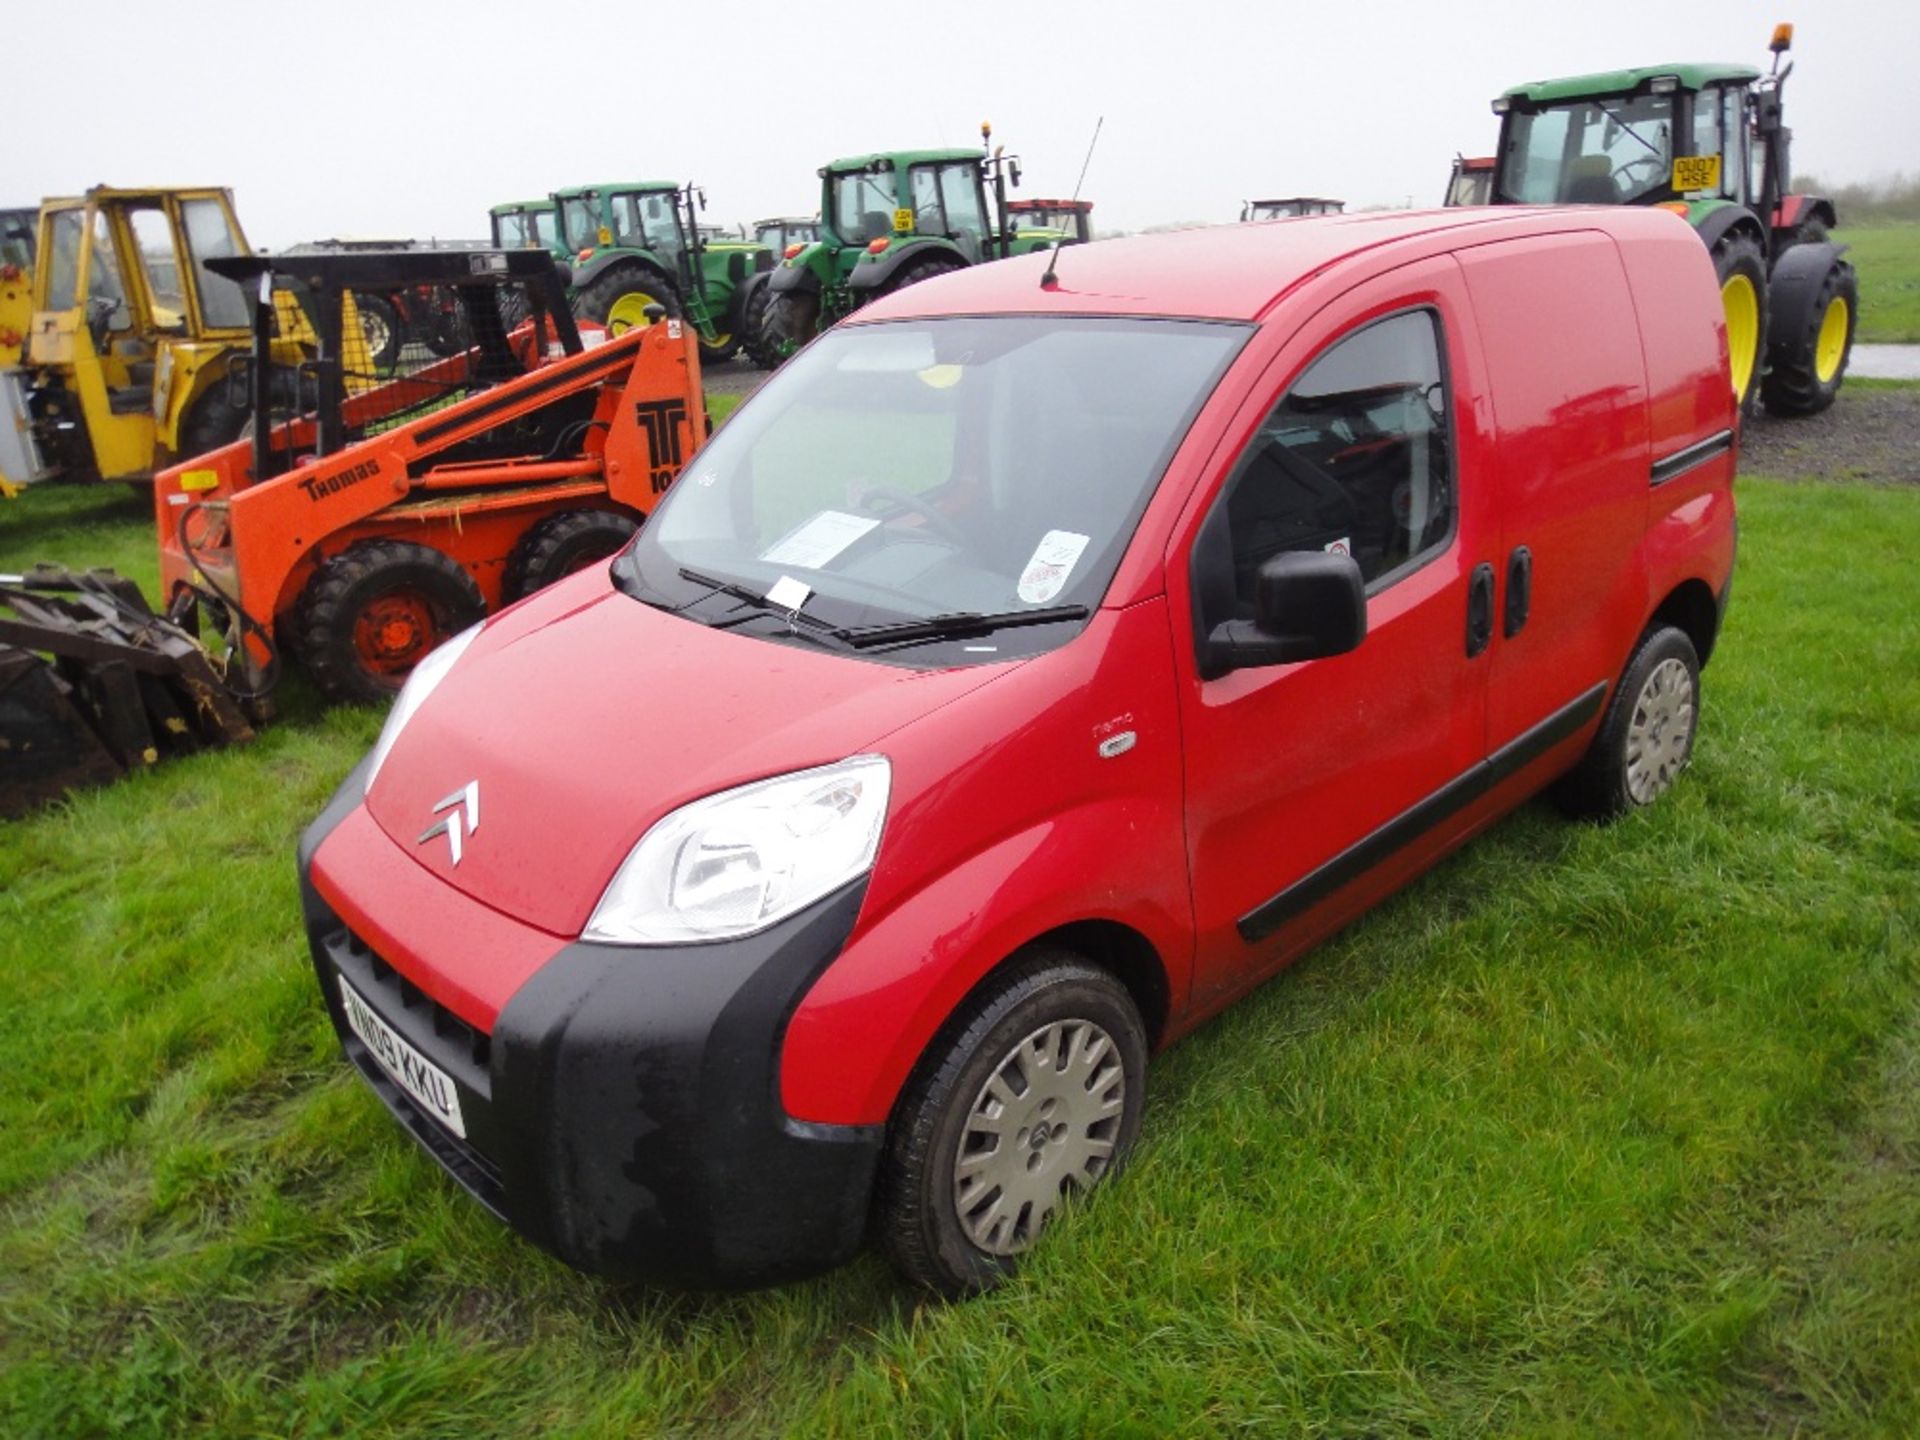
<point>654,219</point>
<point>928,217</point>
<point>223,304</point>
<point>862,206</point>
<point>105,289</point>
<point>960,189</point>
<point>1592,152</point>
<point>63,271</point>
<point>546,228</point>
<point>580,222</point>
<point>153,239</point>
<point>1736,181</point>
<point>1706,123</point>
<point>1353,460</point>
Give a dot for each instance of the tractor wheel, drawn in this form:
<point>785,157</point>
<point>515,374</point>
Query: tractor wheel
<point>1742,270</point>
<point>793,316</point>
<point>753,328</point>
<point>372,612</point>
<point>561,544</point>
<point>922,270</point>
<point>210,423</point>
<point>1807,368</point>
<point>725,344</point>
<point>380,325</point>
<point>618,298</point>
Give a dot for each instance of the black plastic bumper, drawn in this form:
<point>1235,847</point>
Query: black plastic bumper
<point>624,1113</point>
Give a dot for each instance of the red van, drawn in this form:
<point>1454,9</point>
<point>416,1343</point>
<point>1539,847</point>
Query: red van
<point>1034,665</point>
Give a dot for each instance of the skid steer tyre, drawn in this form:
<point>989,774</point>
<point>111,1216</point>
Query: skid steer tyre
<point>372,612</point>
<point>1808,367</point>
<point>561,544</point>
<point>618,297</point>
<point>1742,272</point>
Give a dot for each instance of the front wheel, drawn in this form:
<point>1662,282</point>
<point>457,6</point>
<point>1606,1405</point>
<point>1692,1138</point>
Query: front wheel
<point>1646,739</point>
<point>561,544</point>
<point>754,338</point>
<point>618,298</point>
<point>1742,271</point>
<point>1807,368</point>
<point>792,318</point>
<point>1031,1095</point>
<point>374,611</point>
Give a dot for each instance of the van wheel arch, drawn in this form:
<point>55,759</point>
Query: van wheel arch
<point>1691,609</point>
<point>1120,950</point>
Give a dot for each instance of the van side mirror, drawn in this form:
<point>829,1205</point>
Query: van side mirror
<point>1307,604</point>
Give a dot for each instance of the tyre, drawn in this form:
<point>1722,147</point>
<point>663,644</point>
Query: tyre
<point>560,545</point>
<point>1806,369</point>
<point>210,422</point>
<point>618,297</point>
<point>725,343</point>
<point>380,326</point>
<point>372,612</point>
<point>792,318</point>
<point>1031,1093</point>
<point>1742,271</point>
<point>754,337</point>
<point>921,270</point>
<point>1646,739</point>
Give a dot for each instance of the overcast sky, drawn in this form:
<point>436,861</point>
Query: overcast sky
<point>411,117</point>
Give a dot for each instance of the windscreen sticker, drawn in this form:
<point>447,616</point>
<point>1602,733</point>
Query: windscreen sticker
<point>1053,561</point>
<point>812,545</point>
<point>788,593</point>
<point>1342,546</point>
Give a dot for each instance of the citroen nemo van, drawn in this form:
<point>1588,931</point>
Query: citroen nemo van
<point>1034,665</point>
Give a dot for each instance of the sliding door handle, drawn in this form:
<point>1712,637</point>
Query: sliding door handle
<point>1479,609</point>
<point>1519,591</point>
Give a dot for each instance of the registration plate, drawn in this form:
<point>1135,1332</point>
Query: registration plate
<point>411,1071</point>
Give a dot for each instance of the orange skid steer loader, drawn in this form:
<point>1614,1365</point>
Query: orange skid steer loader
<point>357,557</point>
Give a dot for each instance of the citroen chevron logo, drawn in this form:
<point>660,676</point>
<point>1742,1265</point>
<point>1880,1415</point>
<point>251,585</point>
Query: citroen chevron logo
<point>464,804</point>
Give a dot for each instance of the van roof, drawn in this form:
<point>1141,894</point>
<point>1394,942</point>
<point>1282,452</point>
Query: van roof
<point>1237,272</point>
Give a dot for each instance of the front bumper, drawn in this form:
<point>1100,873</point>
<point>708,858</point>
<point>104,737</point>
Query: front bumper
<point>624,1112</point>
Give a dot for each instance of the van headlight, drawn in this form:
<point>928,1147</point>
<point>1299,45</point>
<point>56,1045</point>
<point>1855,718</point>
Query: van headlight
<point>424,680</point>
<point>740,861</point>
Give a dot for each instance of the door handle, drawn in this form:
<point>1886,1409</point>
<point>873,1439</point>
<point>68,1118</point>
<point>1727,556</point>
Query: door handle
<point>1479,609</point>
<point>1519,590</point>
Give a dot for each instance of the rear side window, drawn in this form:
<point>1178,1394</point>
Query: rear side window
<point>1356,458</point>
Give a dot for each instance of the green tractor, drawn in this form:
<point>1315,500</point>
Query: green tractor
<point>639,244</point>
<point>1072,219</point>
<point>1684,137</point>
<point>886,221</point>
<point>783,231</point>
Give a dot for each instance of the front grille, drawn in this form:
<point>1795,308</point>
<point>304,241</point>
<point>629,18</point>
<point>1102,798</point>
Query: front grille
<point>444,1038</point>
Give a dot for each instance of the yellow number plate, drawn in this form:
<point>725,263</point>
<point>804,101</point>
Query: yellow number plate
<point>903,221</point>
<point>1696,172</point>
<point>200,480</point>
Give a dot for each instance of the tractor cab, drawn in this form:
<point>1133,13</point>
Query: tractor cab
<point>781,232</point>
<point>528,224</point>
<point>1471,182</point>
<point>1291,207</point>
<point>130,333</point>
<point>1069,220</point>
<point>1709,143</point>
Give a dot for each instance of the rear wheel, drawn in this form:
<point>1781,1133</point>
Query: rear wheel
<point>380,327</point>
<point>560,545</point>
<point>1646,739</point>
<point>1030,1095</point>
<point>1808,367</point>
<point>374,611</point>
<point>753,327</point>
<point>618,298</point>
<point>1743,296</point>
<point>922,270</point>
<point>792,318</point>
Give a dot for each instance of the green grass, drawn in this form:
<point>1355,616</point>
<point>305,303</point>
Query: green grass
<point>1887,258</point>
<point>1591,1131</point>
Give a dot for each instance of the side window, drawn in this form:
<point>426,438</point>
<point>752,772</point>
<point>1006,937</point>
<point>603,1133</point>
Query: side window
<point>1356,459</point>
<point>927,216</point>
<point>1734,178</point>
<point>1706,123</point>
<point>960,187</point>
<point>209,237</point>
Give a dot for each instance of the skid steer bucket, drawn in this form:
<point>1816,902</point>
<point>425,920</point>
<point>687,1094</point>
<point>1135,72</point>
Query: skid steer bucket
<point>93,684</point>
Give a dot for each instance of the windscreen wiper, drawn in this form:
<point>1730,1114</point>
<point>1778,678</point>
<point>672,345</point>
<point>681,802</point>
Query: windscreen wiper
<point>955,626</point>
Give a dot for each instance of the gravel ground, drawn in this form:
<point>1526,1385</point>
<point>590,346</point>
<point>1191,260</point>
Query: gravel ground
<point>1867,434</point>
<point>732,377</point>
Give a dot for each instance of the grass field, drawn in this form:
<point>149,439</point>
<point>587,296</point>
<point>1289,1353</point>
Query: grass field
<point>1592,1131</point>
<point>1887,258</point>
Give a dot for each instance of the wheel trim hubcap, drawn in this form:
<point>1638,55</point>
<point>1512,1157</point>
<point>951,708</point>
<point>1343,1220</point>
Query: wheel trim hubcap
<point>629,312</point>
<point>394,632</point>
<point>1742,305</point>
<point>1042,1126</point>
<point>1660,735</point>
<point>1831,343</point>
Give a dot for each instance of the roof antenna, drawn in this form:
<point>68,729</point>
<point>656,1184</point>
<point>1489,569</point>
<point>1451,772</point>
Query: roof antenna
<point>1050,280</point>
